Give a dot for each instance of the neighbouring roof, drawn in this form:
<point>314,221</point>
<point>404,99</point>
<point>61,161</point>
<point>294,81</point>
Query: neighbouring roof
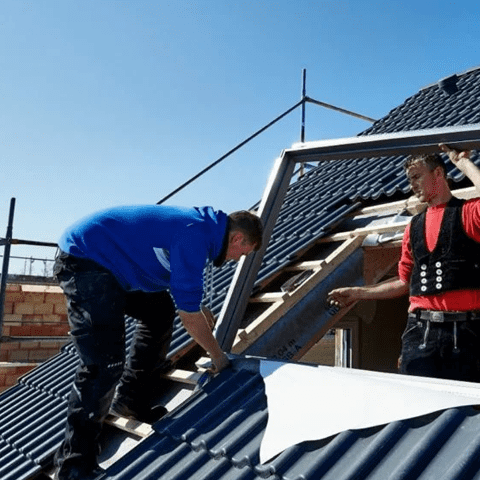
<point>224,444</point>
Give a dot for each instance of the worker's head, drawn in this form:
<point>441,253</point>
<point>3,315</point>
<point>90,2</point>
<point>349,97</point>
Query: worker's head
<point>245,234</point>
<point>430,160</point>
<point>427,176</point>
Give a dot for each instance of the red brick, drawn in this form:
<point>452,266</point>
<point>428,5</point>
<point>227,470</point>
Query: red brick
<point>32,297</point>
<point>53,318</point>
<point>11,287</point>
<point>14,297</point>
<point>29,345</point>
<point>30,318</point>
<point>61,330</point>
<point>18,355</point>
<point>23,308</point>
<point>11,379</point>
<point>13,319</point>
<point>8,307</point>
<point>40,330</point>
<point>54,298</point>
<point>7,346</point>
<point>43,308</point>
<point>39,355</point>
<point>20,331</point>
<point>60,308</point>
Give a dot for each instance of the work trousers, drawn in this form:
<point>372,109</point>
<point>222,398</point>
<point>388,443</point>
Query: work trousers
<point>441,350</point>
<point>97,306</point>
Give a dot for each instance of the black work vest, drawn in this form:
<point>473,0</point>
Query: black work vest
<point>454,263</point>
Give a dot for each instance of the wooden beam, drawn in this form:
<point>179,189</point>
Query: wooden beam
<point>375,229</point>
<point>307,265</point>
<point>134,427</point>
<point>464,193</point>
<point>182,376</point>
<point>268,297</point>
<point>411,204</point>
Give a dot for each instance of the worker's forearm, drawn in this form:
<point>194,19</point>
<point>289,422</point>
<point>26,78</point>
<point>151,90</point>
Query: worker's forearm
<point>471,171</point>
<point>198,328</point>
<point>342,297</point>
<point>390,289</point>
<point>461,159</point>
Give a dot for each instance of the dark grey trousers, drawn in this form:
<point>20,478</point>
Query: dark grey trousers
<point>97,306</point>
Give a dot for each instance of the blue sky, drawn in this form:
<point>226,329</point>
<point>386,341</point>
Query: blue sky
<point>106,102</point>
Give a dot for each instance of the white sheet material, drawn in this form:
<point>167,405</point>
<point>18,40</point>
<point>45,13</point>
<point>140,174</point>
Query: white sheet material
<point>311,403</point>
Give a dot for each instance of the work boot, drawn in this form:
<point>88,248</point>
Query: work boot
<point>142,413</point>
<point>74,473</point>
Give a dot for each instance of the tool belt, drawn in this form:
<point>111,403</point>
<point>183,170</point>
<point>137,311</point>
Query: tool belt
<point>436,316</point>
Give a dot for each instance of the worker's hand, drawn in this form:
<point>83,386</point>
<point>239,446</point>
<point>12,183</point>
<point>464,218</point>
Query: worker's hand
<point>219,363</point>
<point>455,156</point>
<point>342,297</point>
<point>208,316</point>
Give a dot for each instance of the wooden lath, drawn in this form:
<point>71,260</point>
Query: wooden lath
<point>143,430</point>
<point>375,229</point>
<point>411,204</point>
<point>133,427</point>
<point>281,302</point>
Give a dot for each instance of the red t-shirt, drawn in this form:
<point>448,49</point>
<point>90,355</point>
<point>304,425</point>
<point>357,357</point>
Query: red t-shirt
<point>457,300</point>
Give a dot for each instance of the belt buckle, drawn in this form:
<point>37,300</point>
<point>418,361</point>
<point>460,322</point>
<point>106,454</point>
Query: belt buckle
<point>438,317</point>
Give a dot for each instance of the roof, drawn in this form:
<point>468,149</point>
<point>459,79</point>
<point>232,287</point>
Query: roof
<point>217,433</point>
<point>225,443</point>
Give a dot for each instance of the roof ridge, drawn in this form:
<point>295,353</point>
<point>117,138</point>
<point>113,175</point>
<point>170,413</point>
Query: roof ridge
<point>464,72</point>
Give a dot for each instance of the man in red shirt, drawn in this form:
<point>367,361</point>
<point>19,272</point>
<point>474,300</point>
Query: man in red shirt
<point>440,267</point>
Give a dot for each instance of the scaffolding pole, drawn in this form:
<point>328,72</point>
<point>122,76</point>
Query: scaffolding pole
<point>6,259</point>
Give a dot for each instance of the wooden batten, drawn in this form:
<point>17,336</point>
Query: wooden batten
<point>284,301</point>
<point>373,230</point>
<point>133,427</point>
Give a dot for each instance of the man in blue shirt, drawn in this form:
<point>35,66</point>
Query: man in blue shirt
<point>146,262</point>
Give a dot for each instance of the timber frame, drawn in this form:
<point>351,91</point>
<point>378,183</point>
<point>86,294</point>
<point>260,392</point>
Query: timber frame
<point>371,146</point>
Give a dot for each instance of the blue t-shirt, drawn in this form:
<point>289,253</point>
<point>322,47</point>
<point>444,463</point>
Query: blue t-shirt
<point>152,247</point>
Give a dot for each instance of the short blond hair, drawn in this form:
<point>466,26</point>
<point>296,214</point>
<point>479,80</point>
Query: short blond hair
<point>430,160</point>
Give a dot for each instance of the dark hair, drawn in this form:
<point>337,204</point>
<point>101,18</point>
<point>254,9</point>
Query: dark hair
<point>431,160</point>
<point>249,224</point>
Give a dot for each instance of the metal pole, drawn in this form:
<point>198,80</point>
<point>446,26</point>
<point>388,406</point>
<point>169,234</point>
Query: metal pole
<point>6,258</point>
<point>341,110</point>
<point>242,284</point>
<point>463,137</point>
<point>301,170</point>
<point>304,94</point>
<point>216,162</point>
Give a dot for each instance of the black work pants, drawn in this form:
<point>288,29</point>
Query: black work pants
<point>97,306</point>
<point>441,350</point>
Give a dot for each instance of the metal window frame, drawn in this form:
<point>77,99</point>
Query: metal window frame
<point>466,137</point>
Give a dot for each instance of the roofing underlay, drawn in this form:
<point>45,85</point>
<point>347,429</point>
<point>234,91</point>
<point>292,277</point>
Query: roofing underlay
<point>216,433</point>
